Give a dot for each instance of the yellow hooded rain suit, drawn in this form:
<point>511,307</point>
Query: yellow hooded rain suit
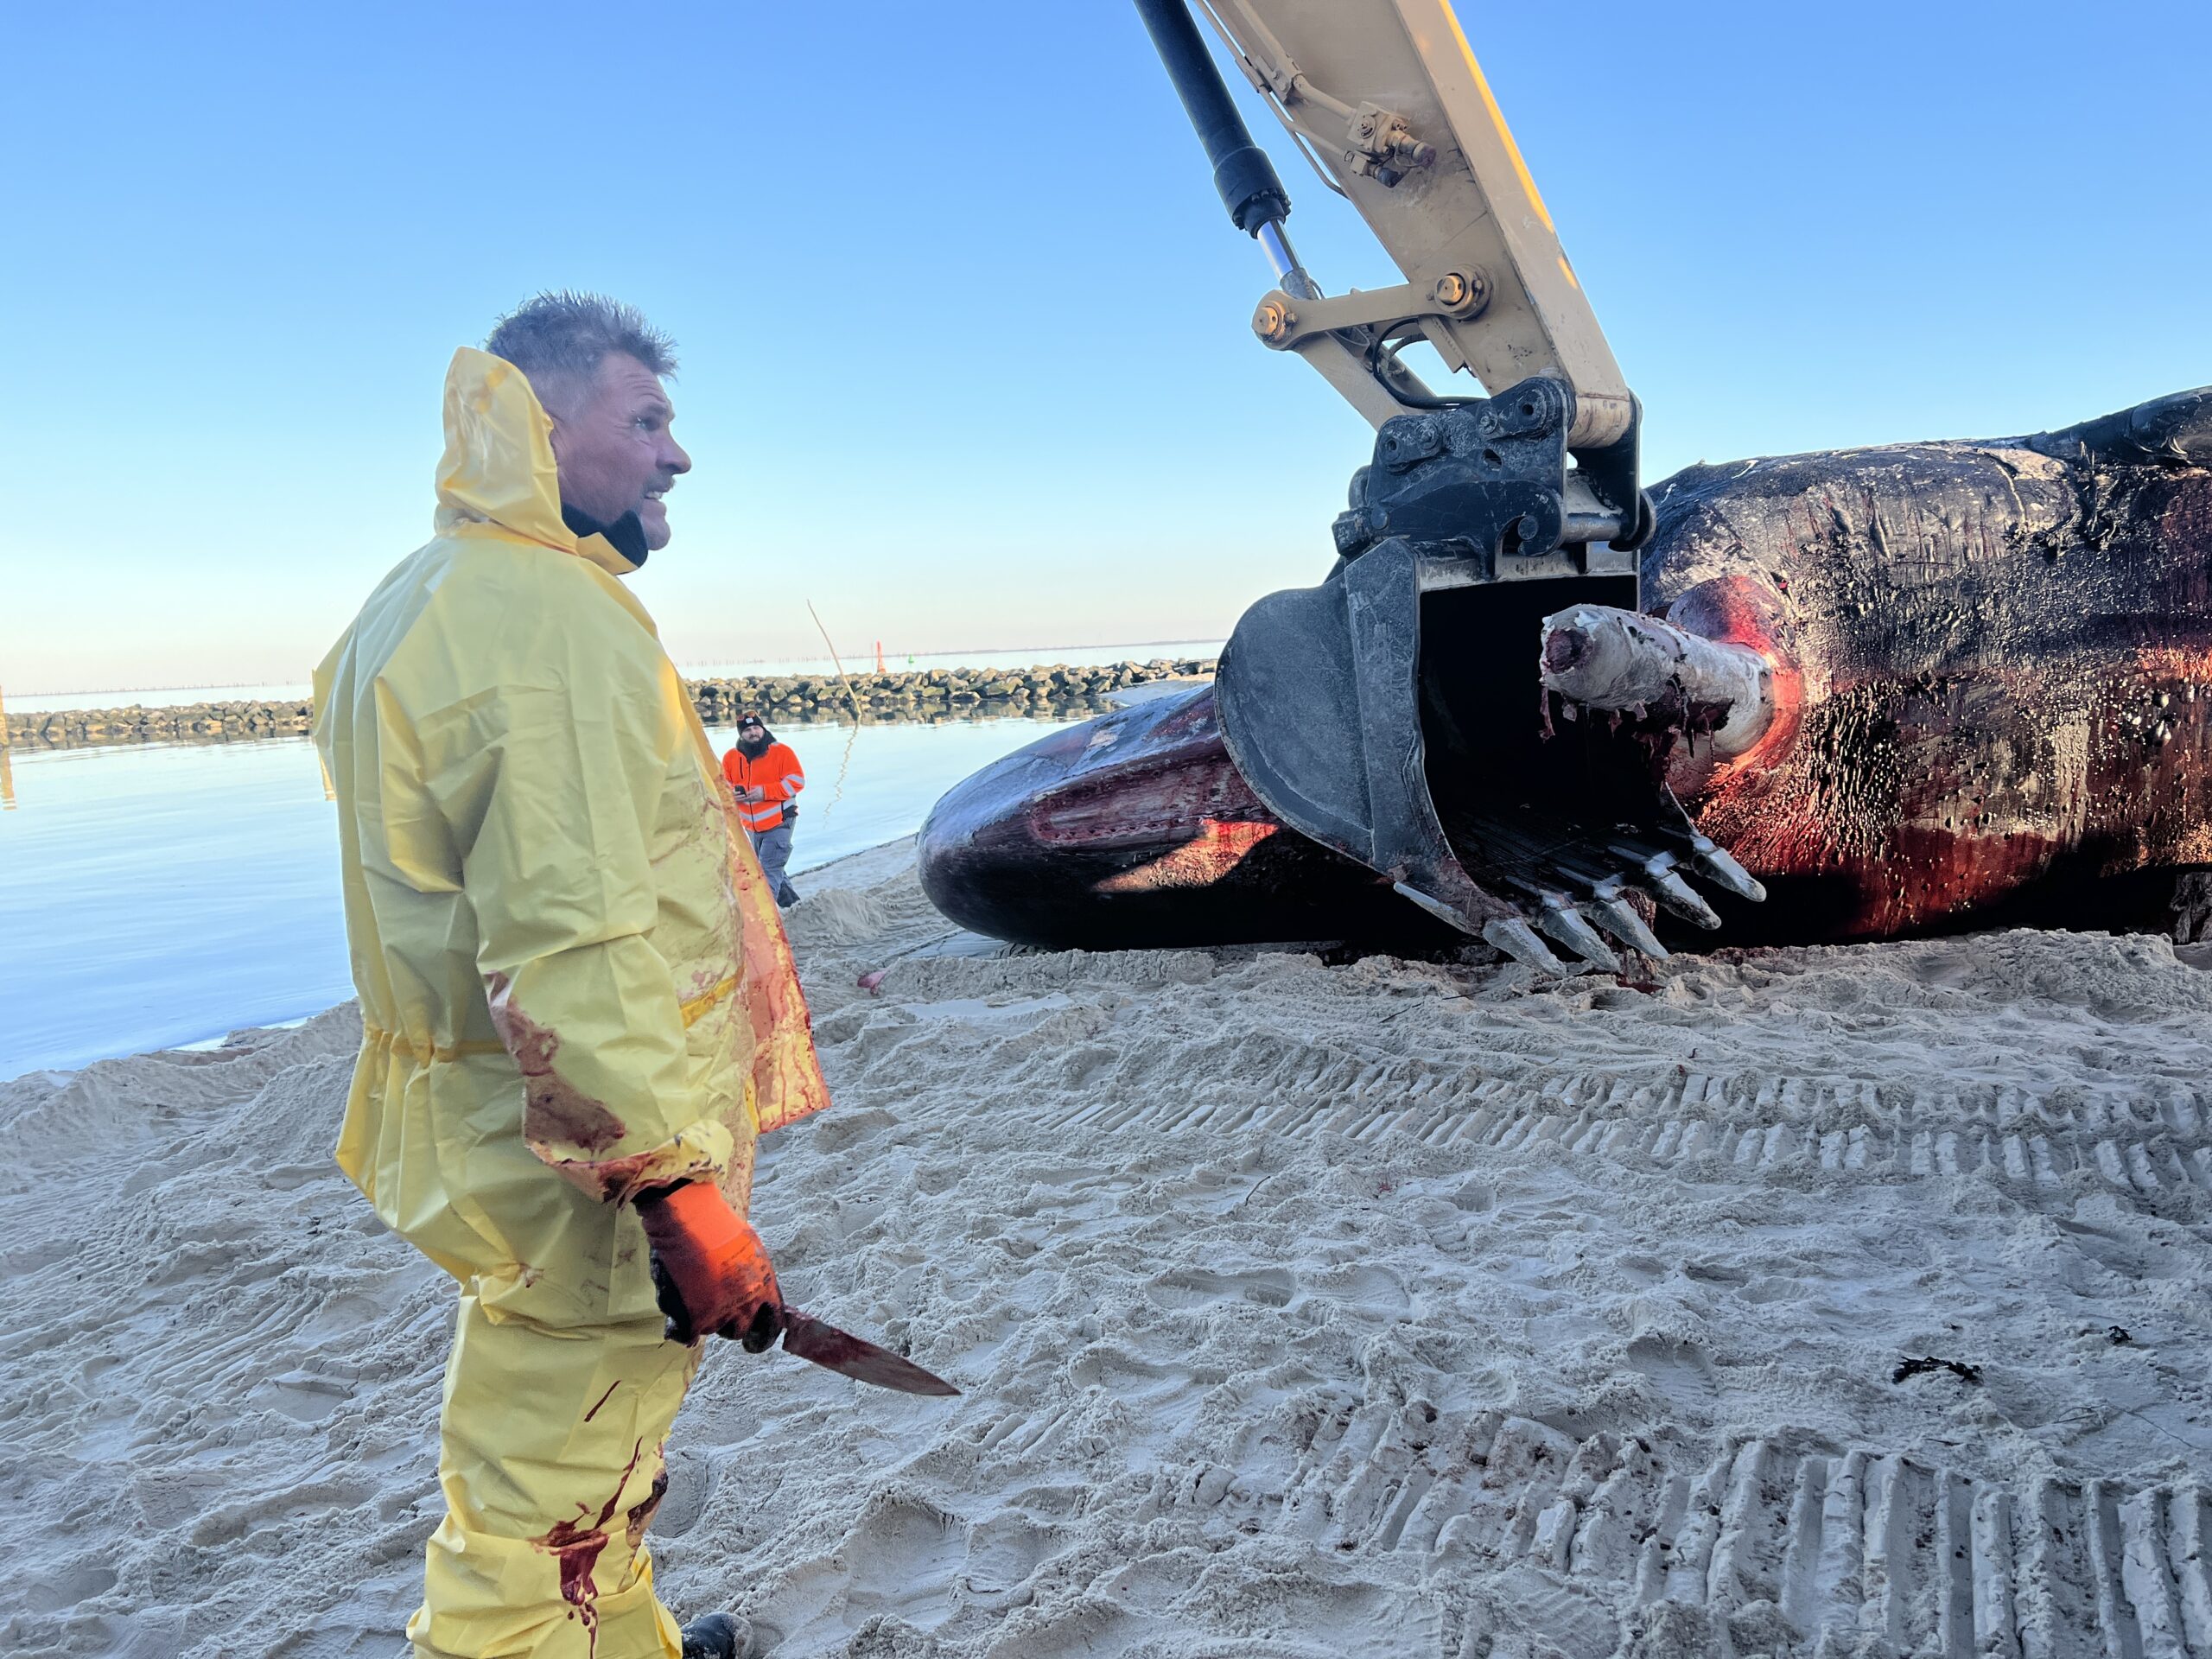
<point>574,986</point>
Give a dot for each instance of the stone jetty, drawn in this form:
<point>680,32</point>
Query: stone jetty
<point>1058,690</point>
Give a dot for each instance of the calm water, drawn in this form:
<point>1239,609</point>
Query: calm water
<point>151,896</point>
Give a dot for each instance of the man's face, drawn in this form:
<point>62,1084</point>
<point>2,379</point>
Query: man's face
<point>614,450</point>
<point>752,732</point>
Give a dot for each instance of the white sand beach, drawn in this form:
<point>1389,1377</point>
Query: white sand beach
<point>1379,1309</point>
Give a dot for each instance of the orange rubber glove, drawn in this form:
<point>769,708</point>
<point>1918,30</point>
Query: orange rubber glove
<point>711,1267</point>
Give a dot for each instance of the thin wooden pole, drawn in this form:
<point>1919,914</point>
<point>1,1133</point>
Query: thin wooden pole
<point>849,692</point>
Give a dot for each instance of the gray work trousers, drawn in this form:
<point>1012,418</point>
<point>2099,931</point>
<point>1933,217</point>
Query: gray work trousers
<point>774,847</point>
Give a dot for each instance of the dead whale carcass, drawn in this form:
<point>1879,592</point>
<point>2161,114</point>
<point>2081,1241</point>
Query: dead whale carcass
<point>1907,689</point>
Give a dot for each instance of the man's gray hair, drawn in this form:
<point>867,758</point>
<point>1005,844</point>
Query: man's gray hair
<point>558,339</point>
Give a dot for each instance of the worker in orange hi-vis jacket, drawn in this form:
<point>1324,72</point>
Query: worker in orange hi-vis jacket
<point>765,776</point>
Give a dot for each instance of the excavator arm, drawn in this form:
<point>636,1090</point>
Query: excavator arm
<point>1388,102</point>
<point>1375,713</point>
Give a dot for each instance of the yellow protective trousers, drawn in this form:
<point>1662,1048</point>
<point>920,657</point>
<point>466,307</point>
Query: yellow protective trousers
<point>552,1459</point>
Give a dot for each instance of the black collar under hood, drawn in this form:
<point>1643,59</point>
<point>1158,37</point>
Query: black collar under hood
<point>626,535</point>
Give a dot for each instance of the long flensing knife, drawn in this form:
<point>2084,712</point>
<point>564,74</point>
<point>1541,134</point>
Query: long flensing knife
<point>857,1357</point>
<point>809,1338</point>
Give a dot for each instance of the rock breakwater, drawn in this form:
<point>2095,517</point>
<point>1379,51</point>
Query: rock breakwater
<point>923,695</point>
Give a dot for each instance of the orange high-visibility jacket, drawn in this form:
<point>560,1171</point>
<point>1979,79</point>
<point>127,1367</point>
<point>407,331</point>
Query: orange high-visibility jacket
<point>778,773</point>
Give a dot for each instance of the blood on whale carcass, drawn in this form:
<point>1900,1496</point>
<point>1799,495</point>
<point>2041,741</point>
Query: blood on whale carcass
<point>1994,674</point>
<point>1910,688</point>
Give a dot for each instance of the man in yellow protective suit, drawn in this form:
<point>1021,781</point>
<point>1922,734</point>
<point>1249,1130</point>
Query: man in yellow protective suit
<point>579,1007</point>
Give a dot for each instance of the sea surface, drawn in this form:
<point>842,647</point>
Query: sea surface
<point>154,895</point>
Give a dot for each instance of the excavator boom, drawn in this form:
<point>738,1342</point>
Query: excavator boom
<point>1386,99</point>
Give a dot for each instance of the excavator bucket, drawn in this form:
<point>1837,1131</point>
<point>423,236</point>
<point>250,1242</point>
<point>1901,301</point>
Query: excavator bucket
<point>1414,732</point>
<point>1321,690</point>
<point>1398,713</point>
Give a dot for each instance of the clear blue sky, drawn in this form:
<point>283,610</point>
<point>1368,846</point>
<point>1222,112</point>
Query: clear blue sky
<point>964,328</point>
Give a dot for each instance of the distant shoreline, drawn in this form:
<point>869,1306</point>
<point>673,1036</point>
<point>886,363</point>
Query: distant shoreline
<point>920,695</point>
<point>698,668</point>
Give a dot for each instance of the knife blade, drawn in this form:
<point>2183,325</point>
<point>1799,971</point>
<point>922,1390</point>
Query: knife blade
<point>856,1357</point>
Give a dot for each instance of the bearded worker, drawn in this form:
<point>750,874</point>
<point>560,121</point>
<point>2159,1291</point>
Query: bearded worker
<point>578,1005</point>
<point>764,779</point>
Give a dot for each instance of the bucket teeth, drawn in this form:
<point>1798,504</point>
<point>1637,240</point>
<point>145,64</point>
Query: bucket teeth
<point>1715,861</point>
<point>1618,917</point>
<point>1436,907</point>
<point>1669,889</point>
<point>1565,924</point>
<point>1519,941</point>
<point>1657,875</point>
<point>1717,864</point>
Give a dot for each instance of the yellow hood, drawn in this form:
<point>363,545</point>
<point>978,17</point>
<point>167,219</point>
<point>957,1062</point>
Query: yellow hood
<point>498,470</point>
